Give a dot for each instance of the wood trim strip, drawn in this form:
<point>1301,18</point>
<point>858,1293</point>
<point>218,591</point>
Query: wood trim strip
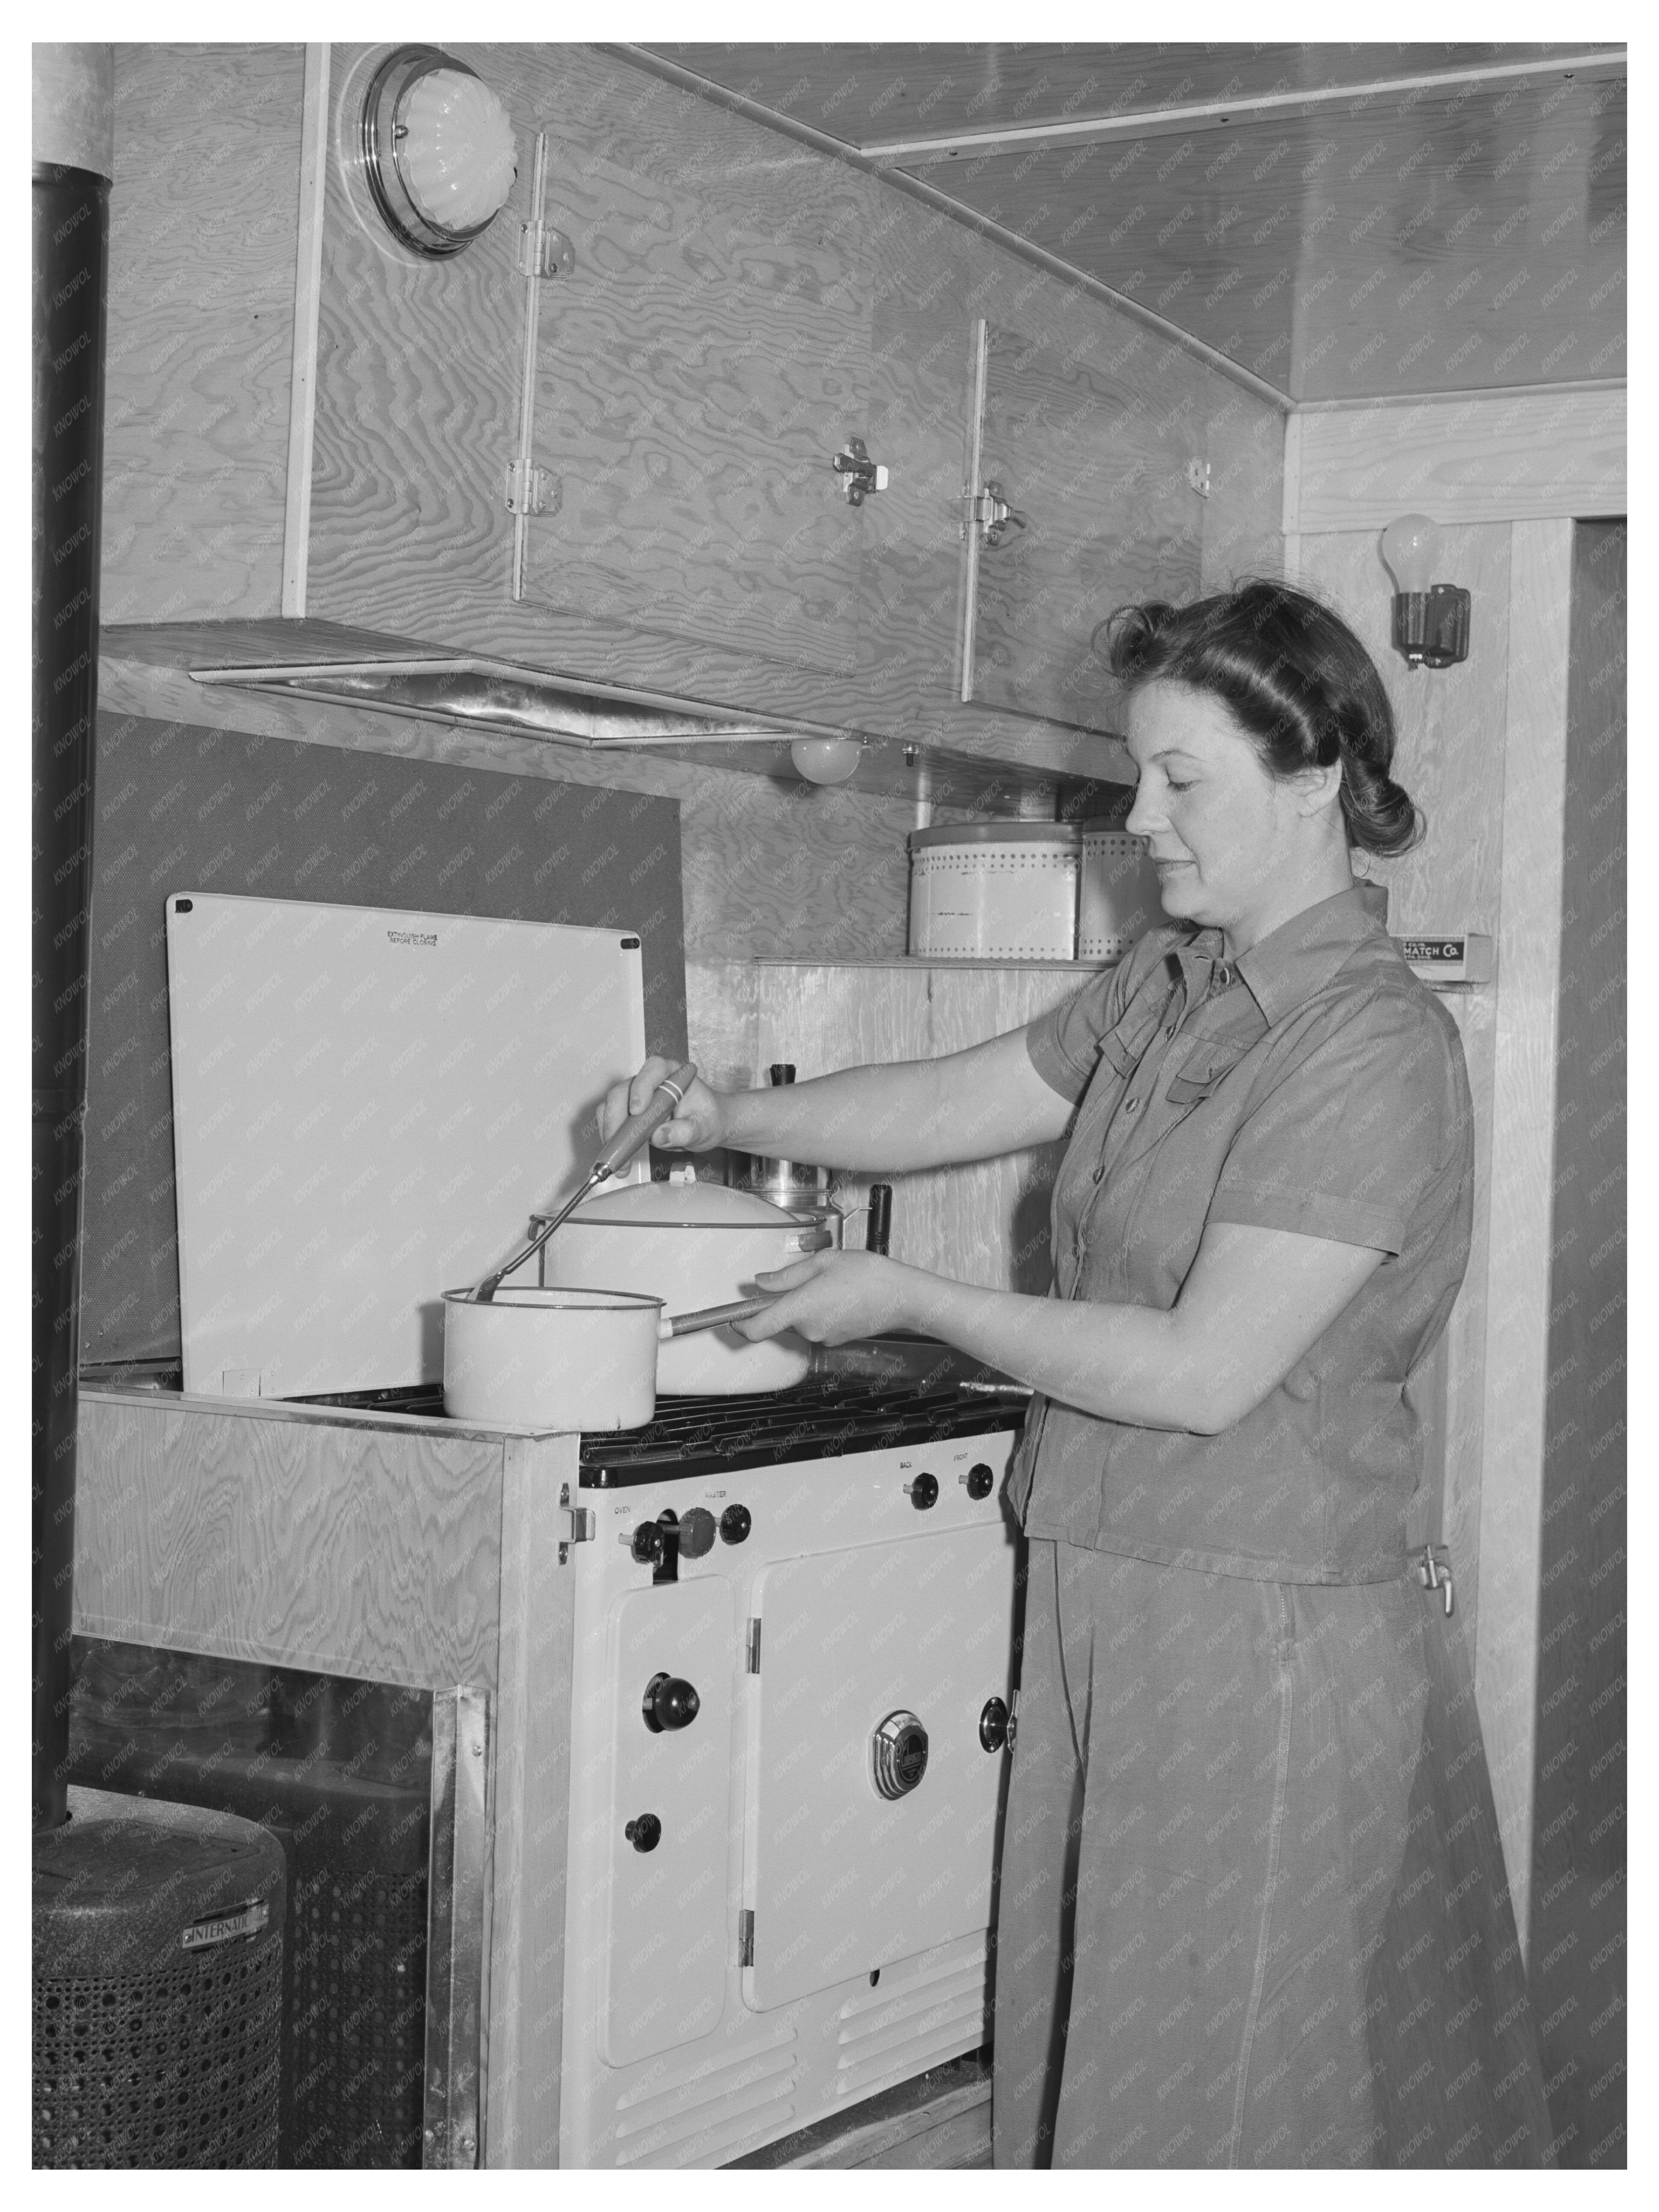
<point>1077,280</point>
<point>307,299</point>
<point>524,2003</point>
<point>1523,1148</point>
<point>1494,456</point>
<point>1257,107</point>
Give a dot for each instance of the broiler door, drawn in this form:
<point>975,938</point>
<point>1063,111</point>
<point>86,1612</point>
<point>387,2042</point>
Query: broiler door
<point>873,1796</point>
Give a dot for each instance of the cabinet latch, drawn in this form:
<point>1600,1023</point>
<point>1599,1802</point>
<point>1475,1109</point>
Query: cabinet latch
<point>1198,476</point>
<point>746,1939</point>
<point>989,513</point>
<point>1434,1572</point>
<point>858,474</point>
<point>577,1523</point>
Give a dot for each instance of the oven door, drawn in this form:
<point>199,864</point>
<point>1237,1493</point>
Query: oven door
<point>875,1772</point>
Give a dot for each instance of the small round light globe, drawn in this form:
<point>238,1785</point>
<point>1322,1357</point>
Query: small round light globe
<point>1411,551</point>
<point>826,760</point>
<point>459,156</point>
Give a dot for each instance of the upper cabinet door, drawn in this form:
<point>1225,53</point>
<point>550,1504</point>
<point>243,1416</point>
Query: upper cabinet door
<point>694,373</point>
<point>1101,477</point>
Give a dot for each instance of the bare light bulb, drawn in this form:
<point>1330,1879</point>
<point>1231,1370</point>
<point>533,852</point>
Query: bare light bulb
<point>826,760</point>
<point>1411,551</point>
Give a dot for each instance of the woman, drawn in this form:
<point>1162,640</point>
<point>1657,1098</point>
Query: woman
<point>1261,1224</point>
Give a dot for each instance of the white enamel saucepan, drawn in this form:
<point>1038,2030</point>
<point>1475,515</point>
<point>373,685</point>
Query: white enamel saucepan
<point>563,1358</point>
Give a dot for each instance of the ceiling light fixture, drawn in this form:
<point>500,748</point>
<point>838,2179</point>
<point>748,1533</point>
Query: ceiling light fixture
<point>438,148</point>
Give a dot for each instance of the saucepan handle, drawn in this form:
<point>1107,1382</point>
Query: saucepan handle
<point>687,1324</point>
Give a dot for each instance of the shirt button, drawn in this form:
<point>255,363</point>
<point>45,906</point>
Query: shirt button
<point>1100,1172</point>
<point>1169,1032</point>
<point>1130,1104</point>
<point>1221,977</point>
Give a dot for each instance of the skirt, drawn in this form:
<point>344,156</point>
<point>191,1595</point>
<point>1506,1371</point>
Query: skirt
<point>1252,1909</point>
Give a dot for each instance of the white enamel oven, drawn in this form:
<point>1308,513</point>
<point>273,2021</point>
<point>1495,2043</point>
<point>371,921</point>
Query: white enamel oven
<point>793,1673</point>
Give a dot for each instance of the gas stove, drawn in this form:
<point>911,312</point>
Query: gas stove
<point>793,1673</point>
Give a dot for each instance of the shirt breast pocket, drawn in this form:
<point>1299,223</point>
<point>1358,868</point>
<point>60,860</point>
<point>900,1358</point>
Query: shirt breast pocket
<point>1202,1070</point>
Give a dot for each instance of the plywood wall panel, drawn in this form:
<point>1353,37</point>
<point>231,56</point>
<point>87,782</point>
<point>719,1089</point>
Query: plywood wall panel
<point>351,1550</point>
<point>204,232</point>
<point>1452,725</point>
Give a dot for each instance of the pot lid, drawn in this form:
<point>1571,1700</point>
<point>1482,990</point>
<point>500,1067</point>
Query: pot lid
<point>683,1202</point>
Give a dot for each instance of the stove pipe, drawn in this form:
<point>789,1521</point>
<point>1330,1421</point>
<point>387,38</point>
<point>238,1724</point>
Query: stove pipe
<point>74,142</point>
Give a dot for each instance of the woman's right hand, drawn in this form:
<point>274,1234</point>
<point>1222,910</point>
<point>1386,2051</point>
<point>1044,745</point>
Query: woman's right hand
<point>699,1125</point>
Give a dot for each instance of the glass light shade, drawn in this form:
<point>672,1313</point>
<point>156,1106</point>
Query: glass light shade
<point>826,760</point>
<point>459,157</point>
<point>1411,551</point>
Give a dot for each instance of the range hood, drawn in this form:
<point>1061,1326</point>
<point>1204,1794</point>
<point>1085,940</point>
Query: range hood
<point>594,716</point>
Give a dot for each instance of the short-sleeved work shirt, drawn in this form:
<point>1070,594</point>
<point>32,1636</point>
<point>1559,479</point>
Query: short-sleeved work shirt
<point>1313,1085</point>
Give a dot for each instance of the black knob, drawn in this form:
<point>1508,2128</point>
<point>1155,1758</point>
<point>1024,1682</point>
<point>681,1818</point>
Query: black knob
<point>994,1724</point>
<point>696,1532</point>
<point>645,1833</point>
<point>669,1703</point>
<point>979,1479</point>
<point>735,1524</point>
<point>922,1492</point>
<point>782,1072</point>
<point>647,1543</point>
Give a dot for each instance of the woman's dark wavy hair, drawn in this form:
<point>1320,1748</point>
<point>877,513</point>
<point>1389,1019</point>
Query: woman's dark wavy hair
<point>1296,679</point>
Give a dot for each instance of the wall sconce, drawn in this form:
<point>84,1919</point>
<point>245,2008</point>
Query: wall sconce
<point>438,148</point>
<point>1431,620</point>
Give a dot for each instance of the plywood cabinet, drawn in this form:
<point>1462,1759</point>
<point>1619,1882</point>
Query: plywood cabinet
<point>1100,457</point>
<point>738,308</point>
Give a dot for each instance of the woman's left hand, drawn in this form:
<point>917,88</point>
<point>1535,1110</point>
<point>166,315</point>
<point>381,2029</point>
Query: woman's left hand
<point>835,1296</point>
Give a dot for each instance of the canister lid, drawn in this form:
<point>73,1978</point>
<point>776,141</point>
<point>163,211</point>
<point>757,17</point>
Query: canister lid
<point>1062,833</point>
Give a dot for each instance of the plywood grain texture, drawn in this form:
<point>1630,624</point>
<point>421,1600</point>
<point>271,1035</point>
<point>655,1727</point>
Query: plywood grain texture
<point>718,265</point>
<point>1452,726</point>
<point>985,1223</point>
<point>353,1551</point>
<point>1517,1349</point>
<point>1481,457</point>
<point>698,374</point>
<point>204,230</point>
<point>1092,453</point>
<point>532,1796</point>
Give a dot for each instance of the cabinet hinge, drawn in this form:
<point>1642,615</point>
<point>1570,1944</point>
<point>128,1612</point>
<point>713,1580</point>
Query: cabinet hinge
<point>545,251</point>
<point>1198,476</point>
<point>530,490</point>
<point>751,1648</point>
<point>746,1939</point>
<point>577,1523</point>
<point>989,513</point>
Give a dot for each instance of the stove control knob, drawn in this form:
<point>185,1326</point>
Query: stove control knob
<point>735,1524</point>
<point>898,1754</point>
<point>923,1490</point>
<point>979,1479</point>
<point>696,1532</point>
<point>645,1833</point>
<point>993,1731</point>
<point>669,1703</point>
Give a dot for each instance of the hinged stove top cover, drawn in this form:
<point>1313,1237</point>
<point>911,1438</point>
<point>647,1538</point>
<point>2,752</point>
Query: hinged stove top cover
<point>368,1105</point>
